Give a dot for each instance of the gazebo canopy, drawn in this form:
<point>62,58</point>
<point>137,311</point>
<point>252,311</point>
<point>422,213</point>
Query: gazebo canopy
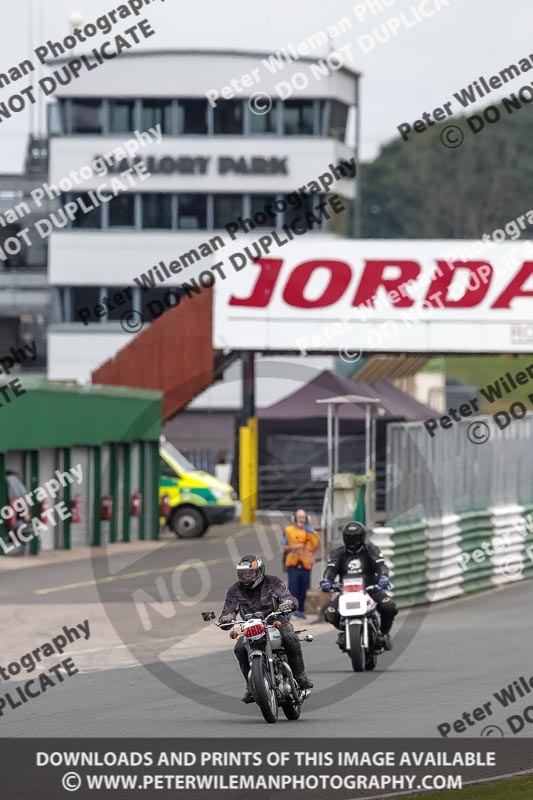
<point>302,404</point>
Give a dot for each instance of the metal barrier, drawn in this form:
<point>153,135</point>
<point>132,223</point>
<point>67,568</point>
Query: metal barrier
<point>430,478</point>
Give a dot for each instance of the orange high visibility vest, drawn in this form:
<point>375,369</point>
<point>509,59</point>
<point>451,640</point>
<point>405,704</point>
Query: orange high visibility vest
<point>308,542</point>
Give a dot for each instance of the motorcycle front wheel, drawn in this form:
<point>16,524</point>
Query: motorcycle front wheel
<point>264,693</point>
<point>357,653</point>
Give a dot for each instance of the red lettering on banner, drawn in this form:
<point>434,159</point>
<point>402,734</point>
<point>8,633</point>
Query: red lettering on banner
<point>372,278</point>
<point>340,275</point>
<point>473,295</point>
<point>515,287</point>
<point>264,285</point>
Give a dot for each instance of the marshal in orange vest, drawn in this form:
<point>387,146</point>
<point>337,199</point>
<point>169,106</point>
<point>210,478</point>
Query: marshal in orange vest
<point>304,543</point>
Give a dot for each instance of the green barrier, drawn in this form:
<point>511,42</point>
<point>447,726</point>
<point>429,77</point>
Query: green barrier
<point>476,528</point>
<point>410,562</point>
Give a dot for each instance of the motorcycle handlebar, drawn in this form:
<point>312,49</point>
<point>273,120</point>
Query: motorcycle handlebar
<point>337,587</point>
<point>227,625</point>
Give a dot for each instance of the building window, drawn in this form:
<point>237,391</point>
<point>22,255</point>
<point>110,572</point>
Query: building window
<point>192,117</point>
<point>258,205</point>
<point>121,211</point>
<point>227,207</point>
<point>298,117</point>
<point>156,210</point>
<point>83,297</point>
<point>157,112</point>
<point>87,116</point>
<point>192,211</point>
<point>121,116</point>
<point>308,204</point>
<point>228,117</point>
<point>264,123</point>
<point>57,117</point>
<point>160,298</point>
<point>87,215</point>
<point>120,301</point>
<point>337,121</point>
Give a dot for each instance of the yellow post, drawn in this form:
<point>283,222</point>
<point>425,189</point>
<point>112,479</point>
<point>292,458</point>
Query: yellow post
<point>254,458</point>
<point>244,474</point>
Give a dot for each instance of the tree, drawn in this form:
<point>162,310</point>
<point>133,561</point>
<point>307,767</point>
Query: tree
<point>420,189</point>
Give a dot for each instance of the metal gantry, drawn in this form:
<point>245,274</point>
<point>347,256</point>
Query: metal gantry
<point>370,406</point>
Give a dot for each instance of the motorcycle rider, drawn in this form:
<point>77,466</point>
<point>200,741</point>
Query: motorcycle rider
<point>359,557</point>
<point>255,592</point>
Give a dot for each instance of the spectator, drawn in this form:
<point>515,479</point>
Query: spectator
<point>300,542</point>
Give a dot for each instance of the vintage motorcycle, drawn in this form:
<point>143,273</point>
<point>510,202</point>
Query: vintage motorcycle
<point>270,677</point>
<point>360,622</point>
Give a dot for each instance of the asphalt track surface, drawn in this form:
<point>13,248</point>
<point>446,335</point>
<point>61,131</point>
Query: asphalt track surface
<point>448,659</point>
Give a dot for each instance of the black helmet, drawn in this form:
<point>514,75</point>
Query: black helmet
<point>353,536</point>
<point>250,571</point>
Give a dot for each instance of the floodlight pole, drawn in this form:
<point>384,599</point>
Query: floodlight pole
<point>329,507</point>
<point>368,459</point>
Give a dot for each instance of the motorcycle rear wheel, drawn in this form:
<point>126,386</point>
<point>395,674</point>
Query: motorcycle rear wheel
<point>264,693</point>
<point>371,661</point>
<point>292,710</point>
<point>357,652</point>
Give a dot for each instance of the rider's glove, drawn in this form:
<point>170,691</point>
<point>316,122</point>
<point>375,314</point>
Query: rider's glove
<point>325,586</point>
<point>286,607</point>
<point>227,619</point>
<point>384,582</point>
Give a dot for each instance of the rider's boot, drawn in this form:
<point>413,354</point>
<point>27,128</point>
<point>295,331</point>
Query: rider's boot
<point>298,670</point>
<point>385,641</point>
<point>248,696</point>
<point>341,639</point>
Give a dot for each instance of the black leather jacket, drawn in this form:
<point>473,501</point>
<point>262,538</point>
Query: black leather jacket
<point>266,597</point>
<point>368,562</point>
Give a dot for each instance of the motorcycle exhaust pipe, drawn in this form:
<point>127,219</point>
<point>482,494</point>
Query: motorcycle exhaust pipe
<point>290,677</point>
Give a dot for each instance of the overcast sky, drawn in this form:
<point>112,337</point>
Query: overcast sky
<point>415,71</point>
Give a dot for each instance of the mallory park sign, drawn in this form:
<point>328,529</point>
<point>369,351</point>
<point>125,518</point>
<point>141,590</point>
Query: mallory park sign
<point>203,165</point>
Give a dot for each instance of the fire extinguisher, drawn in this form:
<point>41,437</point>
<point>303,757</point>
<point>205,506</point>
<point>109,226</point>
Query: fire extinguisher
<point>13,520</point>
<point>75,510</point>
<point>106,508</point>
<point>164,506</point>
<point>136,502</point>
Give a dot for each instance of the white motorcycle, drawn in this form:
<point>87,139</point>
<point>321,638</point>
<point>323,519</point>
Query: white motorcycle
<point>360,622</point>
